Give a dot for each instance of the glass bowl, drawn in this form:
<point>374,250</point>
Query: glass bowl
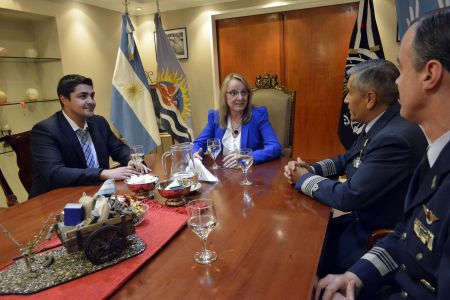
<point>140,214</point>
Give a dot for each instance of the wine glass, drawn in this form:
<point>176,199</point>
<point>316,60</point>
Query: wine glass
<point>202,220</point>
<point>245,161</point>
<point>214,148</point>
<point>137,154</point>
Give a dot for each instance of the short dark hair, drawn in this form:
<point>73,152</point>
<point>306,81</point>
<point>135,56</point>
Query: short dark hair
<point>432,38</point>
<point>68,83</point>
<point>376,75</point>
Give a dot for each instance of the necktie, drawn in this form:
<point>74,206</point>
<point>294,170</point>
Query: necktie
<point>88,155</point>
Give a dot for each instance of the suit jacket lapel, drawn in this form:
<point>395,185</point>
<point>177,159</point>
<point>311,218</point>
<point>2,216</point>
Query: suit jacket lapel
<point>364,140</point>
<point>421,189</point>
<point>244,135</point>
<point>71,136</point>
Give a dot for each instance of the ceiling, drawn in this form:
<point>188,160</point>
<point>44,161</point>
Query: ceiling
<point>149,6</point>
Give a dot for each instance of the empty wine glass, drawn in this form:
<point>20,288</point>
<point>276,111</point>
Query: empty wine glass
<point>137,154</point>
<point>214,148</point>
<point>202,220</point>
<point>245,161</point>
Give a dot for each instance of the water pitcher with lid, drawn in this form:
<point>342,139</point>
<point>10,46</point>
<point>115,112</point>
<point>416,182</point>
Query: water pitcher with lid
<point>182,162</point>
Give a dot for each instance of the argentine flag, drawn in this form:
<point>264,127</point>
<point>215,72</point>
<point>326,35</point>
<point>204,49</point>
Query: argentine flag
<point>132,111</point>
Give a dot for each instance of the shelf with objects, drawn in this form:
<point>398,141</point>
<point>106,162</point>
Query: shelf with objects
<point>30,67</point>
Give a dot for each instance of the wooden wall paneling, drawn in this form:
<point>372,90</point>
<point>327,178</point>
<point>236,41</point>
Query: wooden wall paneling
<point>316,47</point>
<point>250,46</point>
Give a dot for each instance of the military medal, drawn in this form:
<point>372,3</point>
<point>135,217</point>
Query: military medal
<point>430,217</point>
<point>424,234</point>
<point>357,161</point>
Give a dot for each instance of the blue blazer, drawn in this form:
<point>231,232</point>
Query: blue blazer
<point>58,159</point>
<point>375,191</point>
<point>419,267</point>
<point>257,134</point>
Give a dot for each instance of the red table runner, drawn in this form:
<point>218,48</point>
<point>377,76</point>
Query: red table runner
<point>160,225</point>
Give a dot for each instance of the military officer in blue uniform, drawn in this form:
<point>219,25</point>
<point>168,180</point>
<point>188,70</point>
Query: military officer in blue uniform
<point>415,259</point>
<point>378,167</point>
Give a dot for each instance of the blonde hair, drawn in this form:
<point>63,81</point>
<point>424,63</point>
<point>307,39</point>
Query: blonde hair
<point>224,110</point>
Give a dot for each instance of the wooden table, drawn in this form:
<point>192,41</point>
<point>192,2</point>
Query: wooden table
<point>268,239</point>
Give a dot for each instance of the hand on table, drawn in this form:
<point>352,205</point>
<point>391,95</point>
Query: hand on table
<point>230,161</point>
<point>118,173</point>
<point>199,154</point>
<point>295,169</point>
<point>140,167</point>
<point>338,287</point>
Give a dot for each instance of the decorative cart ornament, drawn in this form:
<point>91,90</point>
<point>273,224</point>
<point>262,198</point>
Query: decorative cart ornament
<point>3,51</point>
<point>31,53</point>
<point>31,94</point>
<point>88,247</point>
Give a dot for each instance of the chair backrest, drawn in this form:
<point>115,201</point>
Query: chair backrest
<point>20,143</point>
<point>281,106</point>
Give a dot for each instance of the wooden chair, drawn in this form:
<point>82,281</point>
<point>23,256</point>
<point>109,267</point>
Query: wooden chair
<point>376,235</point>
<point>20,143</point>
<point>280,104</point>
<point>11,199</point>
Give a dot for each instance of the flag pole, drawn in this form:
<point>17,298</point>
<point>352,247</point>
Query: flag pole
<point>125,3</point>
<point>157,7</point>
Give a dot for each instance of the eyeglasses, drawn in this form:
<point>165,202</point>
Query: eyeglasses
<point>234,94</point>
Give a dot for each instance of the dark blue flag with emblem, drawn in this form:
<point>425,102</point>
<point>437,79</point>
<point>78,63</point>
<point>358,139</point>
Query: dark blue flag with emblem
<point>365,44</point>
<point>172,89</point>
<point>410,10</point>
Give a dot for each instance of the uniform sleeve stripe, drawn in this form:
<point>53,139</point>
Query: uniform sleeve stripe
<point>381,260</point>
<point>328,167</point>
<point>385,257</point>
<point>310,185</point>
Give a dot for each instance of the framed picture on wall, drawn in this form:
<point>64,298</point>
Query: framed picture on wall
<point>178,40</point>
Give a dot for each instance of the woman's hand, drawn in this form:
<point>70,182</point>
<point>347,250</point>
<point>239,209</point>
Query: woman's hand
<point>199,154</point>
<point>230,161</point>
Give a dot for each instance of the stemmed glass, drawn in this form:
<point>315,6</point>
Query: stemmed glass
<point>202,220</point>
<point>245,161</point>
<point>214,148</point>
<point>137,154</point>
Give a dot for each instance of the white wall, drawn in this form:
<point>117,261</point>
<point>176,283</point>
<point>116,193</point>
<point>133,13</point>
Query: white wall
<point>89,38</point>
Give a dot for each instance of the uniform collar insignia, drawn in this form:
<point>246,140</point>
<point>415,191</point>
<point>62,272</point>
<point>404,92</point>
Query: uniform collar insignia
<point>433,182</point>
<point>429,216</point>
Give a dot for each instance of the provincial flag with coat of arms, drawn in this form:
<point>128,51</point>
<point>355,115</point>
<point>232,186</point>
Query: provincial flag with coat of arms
<point>365,44</point>
<point>132,111</point>
<point>172,89</point>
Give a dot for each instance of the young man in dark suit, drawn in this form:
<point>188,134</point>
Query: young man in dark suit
<point>378,167</point>
<point>73,146</point>
<point>415,259</point>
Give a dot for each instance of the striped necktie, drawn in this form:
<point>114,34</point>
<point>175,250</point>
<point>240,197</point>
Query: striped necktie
<point>88,155</point>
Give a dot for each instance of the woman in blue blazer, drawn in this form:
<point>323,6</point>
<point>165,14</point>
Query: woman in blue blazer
<point>238,124</point>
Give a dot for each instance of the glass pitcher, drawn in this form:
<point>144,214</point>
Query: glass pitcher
<point>182,162</point>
